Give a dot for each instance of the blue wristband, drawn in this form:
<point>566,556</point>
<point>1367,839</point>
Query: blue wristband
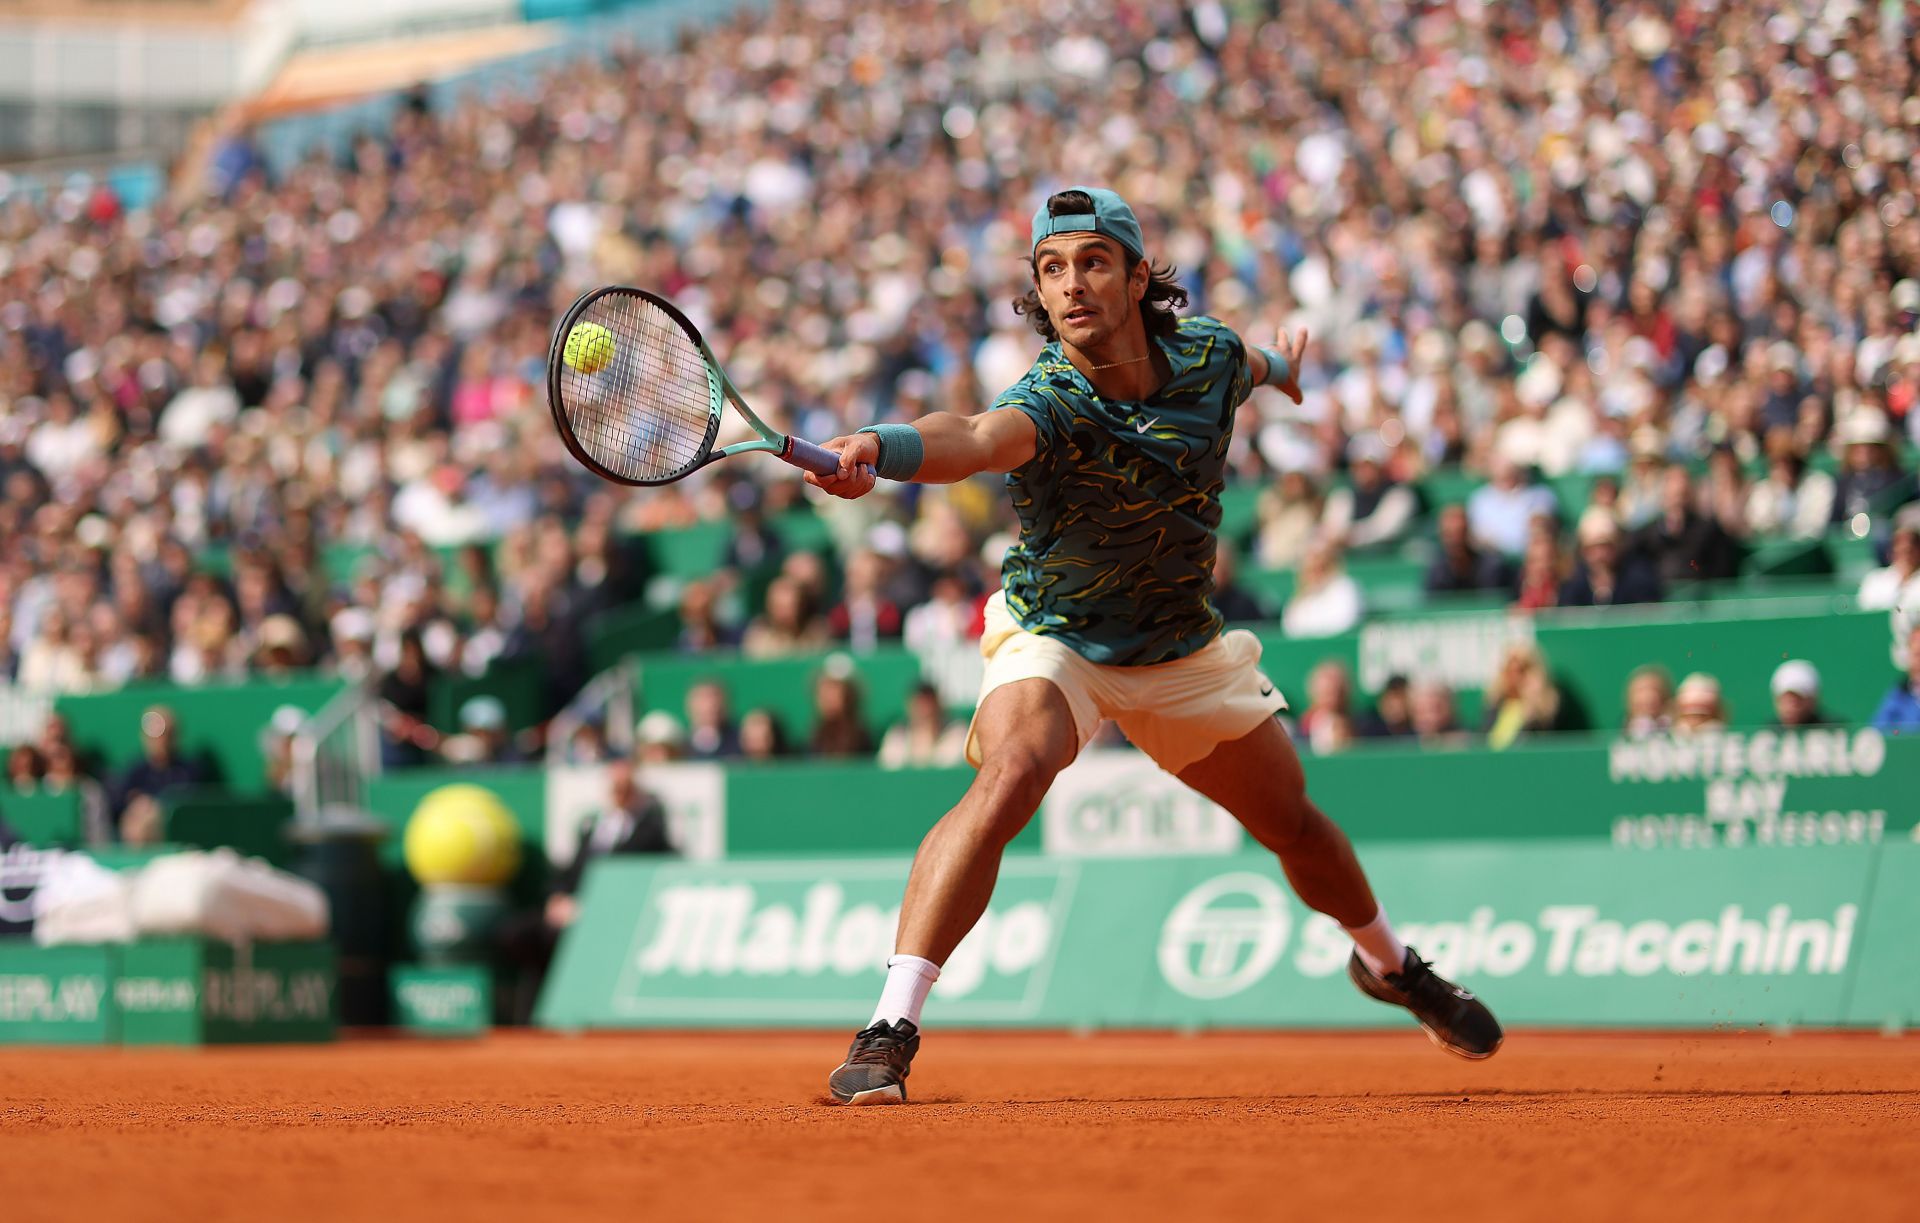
<point>1279,370</point>
<point>901,451</point>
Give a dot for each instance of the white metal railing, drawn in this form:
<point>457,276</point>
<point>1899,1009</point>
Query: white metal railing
<point>335,752</point>
<point>609,699</point>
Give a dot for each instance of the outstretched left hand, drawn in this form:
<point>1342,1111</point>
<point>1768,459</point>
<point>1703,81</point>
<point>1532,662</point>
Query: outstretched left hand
<point>1293,349</point>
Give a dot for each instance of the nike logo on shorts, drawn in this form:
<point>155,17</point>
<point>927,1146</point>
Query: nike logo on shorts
<point>1150,424</point>
<point>1266,690</point>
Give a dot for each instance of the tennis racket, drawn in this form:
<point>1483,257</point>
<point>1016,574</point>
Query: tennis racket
<point>637,394</point>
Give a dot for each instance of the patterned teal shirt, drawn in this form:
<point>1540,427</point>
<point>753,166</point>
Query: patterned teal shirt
<point>1120,505</point>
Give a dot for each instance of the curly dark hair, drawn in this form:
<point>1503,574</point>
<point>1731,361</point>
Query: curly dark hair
<point>1157,307</point>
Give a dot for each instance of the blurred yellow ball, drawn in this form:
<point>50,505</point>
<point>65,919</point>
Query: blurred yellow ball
<point>589,348</point>
<point>462,834</point>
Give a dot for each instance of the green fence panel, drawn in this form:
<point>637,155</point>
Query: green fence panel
<point>1548,934</point>
<point>518,683</point>
<point>689,552</point>
<point>633,629</point>
<point>843,809</point>
<point>42,818</point>
<point>255,826</point>
<point>1808,790</point>
<point>1593,654</point>
<point>784,685</point>
<point>1886,987</point>
<point>220,721</point>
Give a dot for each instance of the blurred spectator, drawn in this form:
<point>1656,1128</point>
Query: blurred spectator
<point>1392,714</point>
<point>1900,712</point>
<point>1645,490</point>
<point>276,746</point>
<point>1683,544</point>
<point>1724,499</point>
<point>1604,577</point>
<point>1501,512</point>
<point>484,736</point>
<point>711,734</point>
<point>1374,510</point>
<point>1522,699</point>
<point>1435,720</point>
<point>1881,588</point>
<point>926,738</point>
<point>753,545</point>
<point>700,628</point>
<point>762,738</point>
<point>633,821</point>
<point>864,617</point>
<point>944,621</point>
<point>404,692</point>
<point>1327,722</point>
<point>1698,706</point>
<point>838,728</point>
<point>136,796</point>
<point>1289,515</point>
<point>1542,573</point>
<point>24,768</point>
<point>659,739</point>
<point>1326,601</point>
<point>1649,703</point>
<point>1796,696</point>
<point>1462,566</point>
<point>788,626</point>
<point>1871,481</point>
<point>1793,501</point>
<point>1234,602</point>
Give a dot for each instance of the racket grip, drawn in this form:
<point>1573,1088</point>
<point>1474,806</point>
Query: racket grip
<point>807,456</point>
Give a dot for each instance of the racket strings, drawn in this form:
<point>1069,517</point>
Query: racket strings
<point>644,411</point>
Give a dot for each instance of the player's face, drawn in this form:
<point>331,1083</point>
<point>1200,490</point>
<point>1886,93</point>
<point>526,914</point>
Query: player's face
<point>1090,288</point>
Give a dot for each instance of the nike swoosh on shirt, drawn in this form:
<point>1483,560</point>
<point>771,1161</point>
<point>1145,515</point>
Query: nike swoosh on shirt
<point>1150,424</point>
<point>1267,691</point>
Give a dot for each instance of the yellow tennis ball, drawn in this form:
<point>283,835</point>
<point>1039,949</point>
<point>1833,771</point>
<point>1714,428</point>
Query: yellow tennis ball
<point>589,348</point>
<point>462,834</point>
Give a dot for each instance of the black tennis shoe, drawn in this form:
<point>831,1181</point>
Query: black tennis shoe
<point>877,1065</point>
<point>1453,1018</point>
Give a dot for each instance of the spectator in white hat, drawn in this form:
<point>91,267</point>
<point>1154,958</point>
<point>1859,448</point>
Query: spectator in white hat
<point>1796,695</point>
<point>1698,706</point>
<point>659,739</point>
<point>1870,479</point>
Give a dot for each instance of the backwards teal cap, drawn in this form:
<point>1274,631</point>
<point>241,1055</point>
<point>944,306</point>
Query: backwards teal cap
<point>1110,216</point>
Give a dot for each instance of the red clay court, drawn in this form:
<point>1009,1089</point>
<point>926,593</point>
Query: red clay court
<point>1118,1126</point>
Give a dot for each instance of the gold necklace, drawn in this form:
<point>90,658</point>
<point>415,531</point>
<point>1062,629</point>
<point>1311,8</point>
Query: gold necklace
<point>1094,369</point>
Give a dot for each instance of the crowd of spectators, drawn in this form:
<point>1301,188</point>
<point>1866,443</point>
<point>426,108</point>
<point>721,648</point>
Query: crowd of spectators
<point>1540,239</point>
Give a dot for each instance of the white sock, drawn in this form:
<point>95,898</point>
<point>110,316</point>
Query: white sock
<point>908,979</point>
<point>1379,947</point>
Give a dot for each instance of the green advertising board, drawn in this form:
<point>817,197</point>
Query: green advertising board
<point>1549,934</point>
<point>443,1000</point>
<point>1809,788</point>
<point>166,992</point>
<point>197,991</point>
<point>56,995</point>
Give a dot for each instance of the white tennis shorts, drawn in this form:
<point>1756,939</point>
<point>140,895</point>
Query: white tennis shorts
<point>1176,712</point>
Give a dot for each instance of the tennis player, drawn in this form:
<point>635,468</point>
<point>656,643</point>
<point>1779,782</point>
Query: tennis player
<point>1114,446</point>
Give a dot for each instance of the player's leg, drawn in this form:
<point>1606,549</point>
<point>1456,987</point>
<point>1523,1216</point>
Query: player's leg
<point>1258,779</point>
<point>1024,733</point>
